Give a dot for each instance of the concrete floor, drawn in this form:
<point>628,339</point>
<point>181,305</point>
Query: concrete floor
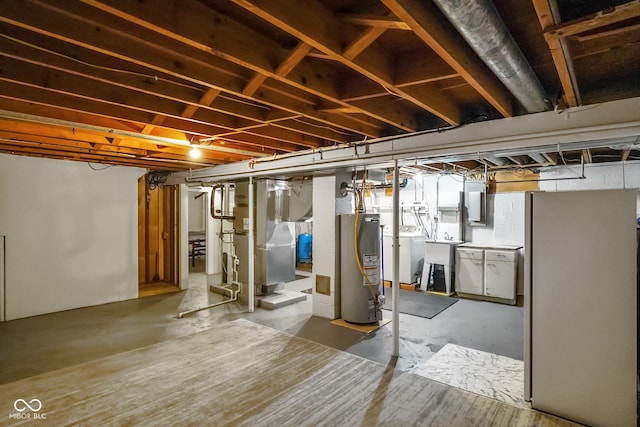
<point>44,343</point>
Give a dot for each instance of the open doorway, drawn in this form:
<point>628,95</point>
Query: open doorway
<point>157,238</point>
<point>197,226</point>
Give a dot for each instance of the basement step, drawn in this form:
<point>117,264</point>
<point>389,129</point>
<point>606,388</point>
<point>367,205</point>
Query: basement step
<point>280,298</point>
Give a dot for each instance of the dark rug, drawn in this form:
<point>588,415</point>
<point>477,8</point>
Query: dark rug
<point>419,303</point>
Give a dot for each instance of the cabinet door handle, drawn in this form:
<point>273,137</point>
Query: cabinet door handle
<point>491,264</point>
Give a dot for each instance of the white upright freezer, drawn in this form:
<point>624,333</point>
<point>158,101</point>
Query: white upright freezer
<point>580,306</point>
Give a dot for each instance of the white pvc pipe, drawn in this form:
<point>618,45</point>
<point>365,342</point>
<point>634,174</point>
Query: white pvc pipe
<point>234,297</point>
<point>395,289</point>
<point>252,287</point>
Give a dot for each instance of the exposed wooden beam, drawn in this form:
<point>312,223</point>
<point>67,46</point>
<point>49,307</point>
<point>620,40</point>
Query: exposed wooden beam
<point>205,100</point>
<point>606,33</point>
<point>31,109</point>
<point>80,138</point>
<point>367,37</point>
<point>551,158</point>
<point>101,92</point>
<point>52,153</point>
<point>320,29</point>
<point>195,25</point>
<point>380,21</point>
<point>290,62</point>
<point>144,48</point>
<point>625,154</point>
<point>85,63</point>
<point>586,155</point>
<point>423,18</point>
<point>411,69</point>
<point>282,70</point>
<point>347,110</point>
<point>252,85</point>
<point>427,167</point>
<point>560,54</point>
<point>257,140</point>
<point>600,19</point>
<point>35,76</point>
<point>325,133</point>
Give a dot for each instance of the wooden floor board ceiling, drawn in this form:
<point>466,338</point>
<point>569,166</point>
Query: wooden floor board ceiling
<point>244,374</point>
<point>140,83</point>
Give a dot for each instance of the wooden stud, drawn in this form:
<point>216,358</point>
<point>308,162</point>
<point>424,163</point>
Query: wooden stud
<point>72,25</point>
<point>601,19</point>
<point>196,25</point>
<point>367,37</point>
<point>322,32</point>
<point>560,54</point>
<point>551,158</point>
<point>380,21</point>
<point>625,154</point>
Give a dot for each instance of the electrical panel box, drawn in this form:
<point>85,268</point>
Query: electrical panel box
<point>475,203</point>
<point>474,209</point>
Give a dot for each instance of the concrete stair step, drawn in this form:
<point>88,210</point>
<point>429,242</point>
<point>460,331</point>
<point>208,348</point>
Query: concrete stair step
<point>280,298</point>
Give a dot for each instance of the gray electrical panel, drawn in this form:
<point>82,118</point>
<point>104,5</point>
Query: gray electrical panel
<point>359,292</point>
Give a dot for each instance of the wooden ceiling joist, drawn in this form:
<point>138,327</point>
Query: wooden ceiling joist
<point>153,52</point>
<point>552,158</point>
<point>320,29</point>
<point>363,40</point>
<point>379,21</point>
<point>90,139</point>
<point>164,109</point>
<point>423,19</point>
<point>598,20</point>
<point>171,92</point>
<point>134,83</point>
<point>196,25</point>
<point>44,152</point>
<point>560,54</point>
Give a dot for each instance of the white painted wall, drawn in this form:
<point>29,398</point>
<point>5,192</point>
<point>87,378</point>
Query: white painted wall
<point>183,250</point>
<point>71,234</point>
<point>326,241</point>
<point>2,291</point>
<point>196,211</point>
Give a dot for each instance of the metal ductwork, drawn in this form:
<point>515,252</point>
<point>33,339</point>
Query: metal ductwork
<point>480,24</point>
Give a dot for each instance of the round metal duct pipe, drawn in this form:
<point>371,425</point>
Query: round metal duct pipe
<point>481,26</point>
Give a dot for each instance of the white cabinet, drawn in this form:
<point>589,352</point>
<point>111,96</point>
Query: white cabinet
<point>500,274</point>
<point>487,271</point>
<point>469,271</point>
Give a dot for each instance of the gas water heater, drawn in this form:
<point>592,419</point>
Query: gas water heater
<point>360,300</point>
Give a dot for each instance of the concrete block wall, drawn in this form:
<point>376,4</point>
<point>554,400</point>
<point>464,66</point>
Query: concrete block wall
<point>614,175</point>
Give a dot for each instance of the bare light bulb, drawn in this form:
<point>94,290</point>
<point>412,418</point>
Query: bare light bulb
<point>194,153</point>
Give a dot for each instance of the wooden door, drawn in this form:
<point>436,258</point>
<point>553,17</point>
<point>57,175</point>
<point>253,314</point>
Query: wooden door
<point>157,233</point>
